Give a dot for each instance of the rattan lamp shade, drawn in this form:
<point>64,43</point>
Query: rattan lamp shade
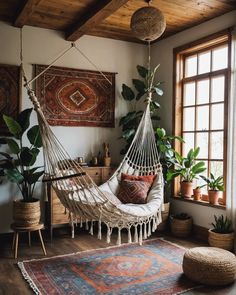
<point>148,23</point>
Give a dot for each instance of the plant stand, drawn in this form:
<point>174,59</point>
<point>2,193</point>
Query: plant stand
<point>18,229</point>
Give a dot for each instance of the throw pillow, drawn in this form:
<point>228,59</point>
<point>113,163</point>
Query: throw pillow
<point>146,178</point>
<point>133,191</point>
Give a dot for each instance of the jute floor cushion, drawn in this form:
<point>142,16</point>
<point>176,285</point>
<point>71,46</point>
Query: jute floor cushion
<point>210,265</point>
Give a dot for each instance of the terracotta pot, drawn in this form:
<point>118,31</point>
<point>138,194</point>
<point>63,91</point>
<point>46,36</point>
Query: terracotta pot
<point>224,241</point>
<point>26,214</point>
<point>181,228</point>
<point>164,215</point>
<point>213,197</point>
<point>107,161</point>
<point>186,189</point>
<point>197,194</point>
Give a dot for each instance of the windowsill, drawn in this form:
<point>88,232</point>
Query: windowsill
<point>203,203</point>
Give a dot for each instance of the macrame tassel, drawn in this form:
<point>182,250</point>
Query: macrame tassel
<point>149,228</point>
<point>119,236</point>
<point>153,225</point>
<point>141,234</point>
<point>99,229</point>
<point>136,234</point>
<point>108,234</point>
<point>129,236</point>
<point>86,226</point>
<point>145,231</point>
<point>91,228</point>
<point>76,222</point>
<point>81,222</point>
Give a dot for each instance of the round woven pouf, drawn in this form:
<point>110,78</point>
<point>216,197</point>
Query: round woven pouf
<point>210,265</point>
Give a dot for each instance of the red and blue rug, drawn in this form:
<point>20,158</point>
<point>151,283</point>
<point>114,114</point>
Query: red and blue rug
<point>130,269</point>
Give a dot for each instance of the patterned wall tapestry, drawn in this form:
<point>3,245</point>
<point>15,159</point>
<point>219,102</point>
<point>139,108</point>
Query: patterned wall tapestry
<point>71,97</point>
<point>10,83</point>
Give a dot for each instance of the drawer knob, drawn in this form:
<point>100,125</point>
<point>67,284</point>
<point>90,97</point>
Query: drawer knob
<point>96,173</point>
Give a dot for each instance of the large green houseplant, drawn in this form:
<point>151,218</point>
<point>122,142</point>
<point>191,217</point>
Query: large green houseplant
<point>142,87</point>
<point>17,165</point>
<point>187,169</point>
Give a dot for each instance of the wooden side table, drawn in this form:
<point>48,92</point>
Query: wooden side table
<point>19,229</point>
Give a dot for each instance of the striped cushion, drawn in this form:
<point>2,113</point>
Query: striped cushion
<point>133,191</point>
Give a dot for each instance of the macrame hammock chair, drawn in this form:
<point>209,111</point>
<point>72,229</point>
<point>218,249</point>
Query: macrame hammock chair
<point>89,203</point>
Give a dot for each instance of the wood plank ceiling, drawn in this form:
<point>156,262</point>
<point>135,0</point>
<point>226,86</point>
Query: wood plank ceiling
<point>107,18</point>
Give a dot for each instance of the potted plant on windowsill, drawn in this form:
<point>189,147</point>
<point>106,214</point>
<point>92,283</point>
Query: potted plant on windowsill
<point>197,192</point>
<point>215,187</point>
<point>18,166</point>
<point>222,234</point>
<point>181,225</point>
<point>187,169</point>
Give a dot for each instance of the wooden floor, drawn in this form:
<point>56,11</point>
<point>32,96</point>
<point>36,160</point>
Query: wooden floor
<point>12,283</point>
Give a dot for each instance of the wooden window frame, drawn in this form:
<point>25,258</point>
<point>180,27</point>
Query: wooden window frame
<point>180,54</point>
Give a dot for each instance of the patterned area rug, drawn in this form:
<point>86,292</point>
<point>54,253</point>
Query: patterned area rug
<point>153,268</point>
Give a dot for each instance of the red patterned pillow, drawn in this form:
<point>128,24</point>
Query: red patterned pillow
<point>133,191</point>
<point>146,178</point>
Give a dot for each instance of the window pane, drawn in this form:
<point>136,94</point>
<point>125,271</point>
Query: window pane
<point>191,66</point>
<point>204,62</point>
<point>200,181</point>
<point>203,91</point>
<point>217,144</point>
<point>216,168</point>
<point>217,116</point>
<point>189,94</point>
<point>188,142</point>
<point>188,119</point>
<point>203,118</point>
<point>217,89</point>
<point>202,142</point>
<point>220,58</point>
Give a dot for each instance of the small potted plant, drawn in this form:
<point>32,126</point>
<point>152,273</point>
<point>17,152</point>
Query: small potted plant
<point>197,192</point>
<point>181,225</point>
<point>18,166</point>
<point>187,169</point>
<point>215,187</point>
<point>222,234</point>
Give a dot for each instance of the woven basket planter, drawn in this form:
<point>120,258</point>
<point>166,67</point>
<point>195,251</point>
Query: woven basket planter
<point>181,228</point>
<point>224,241</point>
<point>164,216</point>
<point>26,214</point>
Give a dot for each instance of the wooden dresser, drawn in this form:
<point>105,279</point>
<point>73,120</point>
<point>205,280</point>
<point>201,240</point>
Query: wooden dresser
<point>55,212</point>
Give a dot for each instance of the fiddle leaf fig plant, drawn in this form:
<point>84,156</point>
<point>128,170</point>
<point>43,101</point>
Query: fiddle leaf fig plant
<point>143,86</point>
<point>18,165</point>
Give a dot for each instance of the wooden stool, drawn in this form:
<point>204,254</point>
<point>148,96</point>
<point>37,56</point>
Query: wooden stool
<point>20,229</point>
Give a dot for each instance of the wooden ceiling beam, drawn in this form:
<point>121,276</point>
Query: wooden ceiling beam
<point>93,17</point>
<point>26,11</point>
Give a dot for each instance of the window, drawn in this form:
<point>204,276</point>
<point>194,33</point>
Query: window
<point>201,94</point>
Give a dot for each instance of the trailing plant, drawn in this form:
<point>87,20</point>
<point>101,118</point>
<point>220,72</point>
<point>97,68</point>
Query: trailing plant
<point>214,184</point>
<point>18,165</point>
<point>185,167</point>
<point>142,87</point>
<point>222,225</point>
<point>182,216</point>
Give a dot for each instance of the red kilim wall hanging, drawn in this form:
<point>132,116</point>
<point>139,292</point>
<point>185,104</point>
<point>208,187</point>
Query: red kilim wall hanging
<point>71,97</point>
<point>10,93</point>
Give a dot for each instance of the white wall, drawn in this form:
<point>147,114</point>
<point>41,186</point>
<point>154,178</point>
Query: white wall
<point>162,52</point>
<point>41,46</point>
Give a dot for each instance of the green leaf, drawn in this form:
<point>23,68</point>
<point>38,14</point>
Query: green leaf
<point>139,95</point>
<point>128,133</point>
<point>158,91</point>
<point>28,156</point>
<point>35,177</point>
<point>13,126</point>
<point>14,176</point>
<point>155,104</point>
<point>13,145</point>
<point>139,85</point>
<point>34,136</point>
<point>196,152</point>
<point>127,93</point>
<point>7,156</point>
<point>143,72</point>
<point>161,132</point>
<point>24,119</point>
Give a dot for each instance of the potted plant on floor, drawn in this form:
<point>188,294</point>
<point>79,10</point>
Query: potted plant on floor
<point>215,187</point>
<point>181,225</point>
<point>18,166</point>
<point>187,169</point>
<point>222,234</point>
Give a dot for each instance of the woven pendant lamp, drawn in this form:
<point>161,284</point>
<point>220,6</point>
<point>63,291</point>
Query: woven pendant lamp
<point>148,23</point>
